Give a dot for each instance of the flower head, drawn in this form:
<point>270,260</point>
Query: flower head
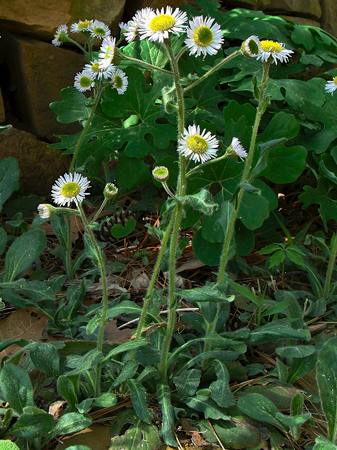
<point>198,146</point>
<point>81,26</point>
<point>132,27</point>
<point>107,52</point>
<point>46,211</point>
<point>69,188</point>
<point>251,47</point>
<point>99,30</point>
<point>203,37</point>
<point>98,72</point>
<point>156,25</point>
<point>84,81</point>
<point>61,35</point>
<point>331,86</point>
<point>110,191</point>
<point>236,149</point>
<point>119,81</point>
<point>160,173</point>
<point>275,50</point>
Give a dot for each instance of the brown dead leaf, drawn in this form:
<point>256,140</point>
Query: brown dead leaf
<point>94,437</point>
<point>116,336</point>
<point>27,324</point>
<point>56,409</point>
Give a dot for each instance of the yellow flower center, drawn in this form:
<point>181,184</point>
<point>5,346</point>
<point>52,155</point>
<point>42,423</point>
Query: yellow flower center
<point>84,24</point>
<point>99,31</point>
<point>197,144</point>
<point>70,189</point>
<point>203,36</point>
<point>162,23</point>
<point>271,46</point>
<point>118,82</point>
<point>85,81</point>
<point>95,67</point>
<point>335,80</point>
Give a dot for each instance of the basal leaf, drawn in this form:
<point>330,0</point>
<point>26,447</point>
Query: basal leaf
<point>259,408</point>
<point>187,382</point>
<point>9,178</point>
<point>207,406</point>
<point>220,391</point>
<point>138,398</point>
<point>140,436</point>
<point>16,387</point>
<point>33,425</point>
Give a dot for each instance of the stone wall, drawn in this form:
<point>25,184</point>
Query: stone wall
<point>33,71</point>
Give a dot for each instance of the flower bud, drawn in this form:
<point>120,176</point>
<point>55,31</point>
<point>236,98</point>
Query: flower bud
<point>46,211</point>
<point>161,174</point>
<point>110,191</point>
<point>236,149</point>
<point>251,47</point>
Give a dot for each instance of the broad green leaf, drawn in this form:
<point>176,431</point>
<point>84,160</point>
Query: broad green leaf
<point>125,348</point>
<point>128,371</point>
<point>36,290</point>
<point>247,293</point>
<point>24,250</point>
<point>239,120</point>
<point>187,382</point>
<point>16,387</point>
<point>326,374</point>
<point>207,293</point>
<point>301,367</point>
<point>207,406</point>
<point>276,330</point>
<point>138,398</point>
<point>298,351</point>
<point>292,421</point>
<point>106,400</point>
<point>85,362</point>
<point>140,436</point>
<point>202,202</point>
<point>33,425</point>
<point>69,423</point>
<point>214,227</point>
<point>8,445</point>
<point>66,389</point>
<point>164,400</point>
<point>9,178</point>
<point>259,408</point>
<point>131,171</point>
<point>119,231</point>
<point>323,444</point>
<point>301,35</point>
<point>208,252</point>
<point>125,307</point>
<point>3,240</point>
<point>72,108</point>
<point>45,358</point>
<point>220,391</point>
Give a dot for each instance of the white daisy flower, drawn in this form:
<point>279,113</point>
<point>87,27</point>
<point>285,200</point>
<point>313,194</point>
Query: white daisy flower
<point>198,146</point>
<point>82,25</point>
<point>99,30</point>
<point>119,81</point>
<point>132,27</point>
<point>61,35</point>
<point>98,72</point>
<point>84,81</point>
<point>69,188</point>
<point>251,47</point>
<point>46,211</point>
<point>107,52</point>
<point>203,37</point>
<point>157,25</point>
<point>236,149</point>
<point>274,50</point>
<point>331,86</point>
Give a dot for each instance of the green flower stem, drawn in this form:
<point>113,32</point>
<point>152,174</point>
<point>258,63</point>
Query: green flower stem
<point>245,175</point>
<point>85,129</point>
<point>214,69</point>
<point>101,264</point>
<point>155,272</point>
<point>201,166</point>
<point>145,64</point>
<point>104,202</point>
<point>181,190</point>
<point>333,252</point>
<point>78,45</point>
<point>69,266</point>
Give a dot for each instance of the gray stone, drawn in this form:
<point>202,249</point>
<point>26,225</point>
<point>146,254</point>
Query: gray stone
<point>329,15</point>
<point>39,165</point>
<point>250,4</point>
<point>306,8</point>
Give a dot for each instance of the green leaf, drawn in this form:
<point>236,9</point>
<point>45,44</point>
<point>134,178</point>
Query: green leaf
<point>34,425</point>
<point>3,240</point>
<point>73,107</point>
<point>125,348</point>
<point>209,253</point>
<point>66,389</point>
<point>131,171</point>
<point>140,436</point>
<point>207,406</point>
<point>298,351</point>
<point>326,374</point>
<point>301,35</point>
<point>24,250</point>
<point>323,444</point>
<point>164,400</point>
<point>207,293</point>
<point>138,398</point>
<point>45,358</point>
<point>85,362</point>
<point>292,421</point>
<point>276,330</point>
<point>259,408</point>
<point>128,371</point>
<point>202,202</point>
<point>8,445</point>
<point>276,259</point>
<point>187,382</point>
<point>220,391</point>
<point>69,423</point>
<point>119,231</point>
<point>247,293</point>
<point>214,227</point>
<point>9,178</point>
<point>301,367</point>
<point>16,387</point>
<point>125,307</point>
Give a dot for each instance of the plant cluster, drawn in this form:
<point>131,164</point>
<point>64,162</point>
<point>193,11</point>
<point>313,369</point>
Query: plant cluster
<point>217,127</point>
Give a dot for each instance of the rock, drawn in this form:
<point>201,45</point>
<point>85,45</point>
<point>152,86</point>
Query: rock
<point>250,4</point>
<point>36,73</point>
<point>301,20</point>
<point>39,165</point>
<point>2,109</point>
<point>329,14</point>
<point>306,8</point>
<point>40,18</point>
